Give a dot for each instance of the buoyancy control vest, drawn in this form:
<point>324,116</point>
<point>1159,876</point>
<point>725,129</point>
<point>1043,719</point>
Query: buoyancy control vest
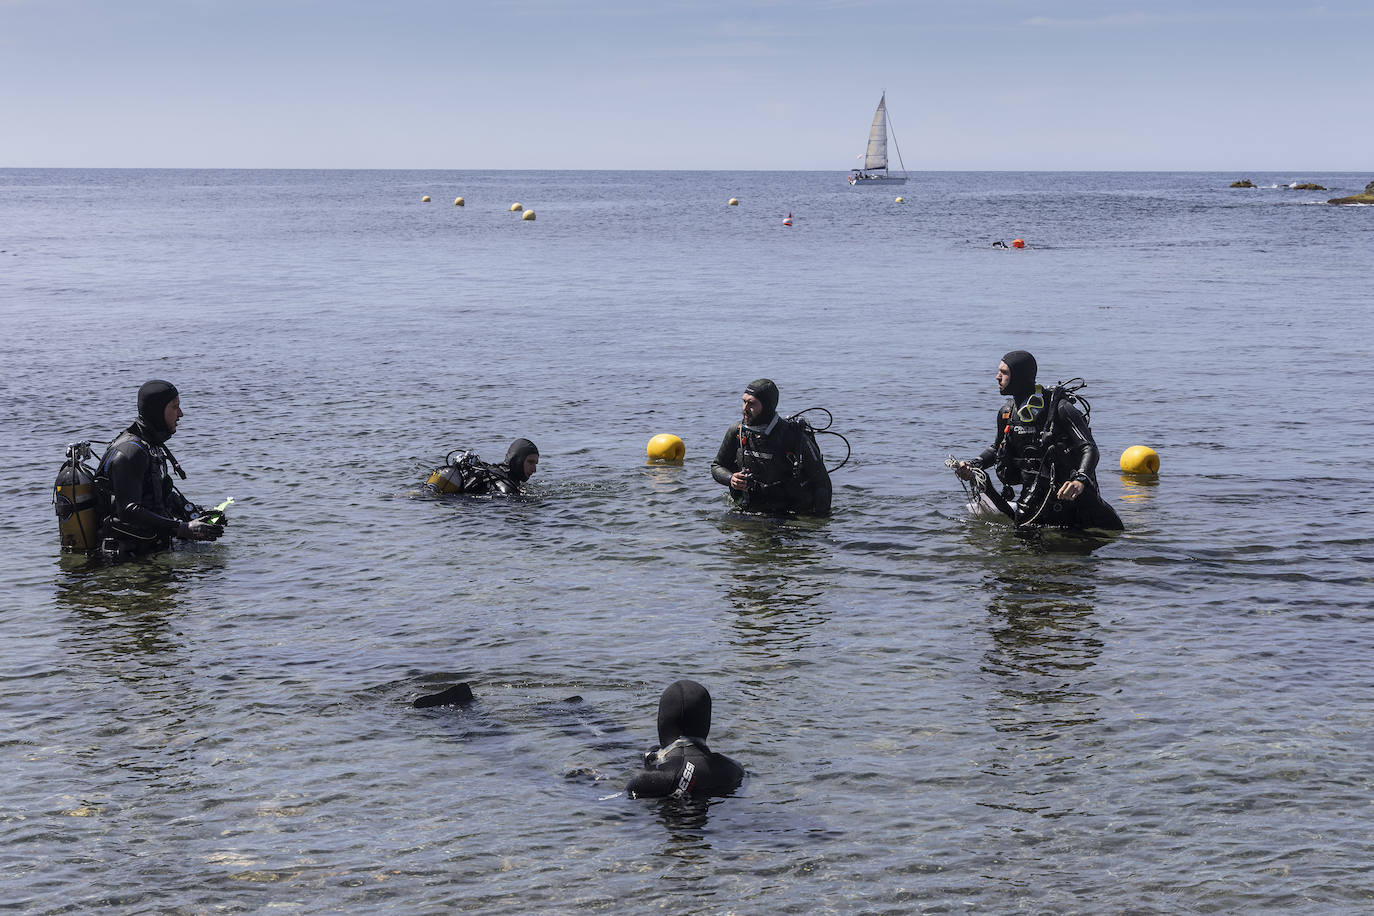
<point>786,467</point>
<point>149,517</point>
<point>1044,443</point>
<point>686,770</point>
<point>464,472</point>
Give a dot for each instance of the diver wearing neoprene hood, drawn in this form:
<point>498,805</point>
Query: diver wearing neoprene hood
<point>464,472</point>
<point>681,765</point>
<point>770,463</point>
<point>145,510</point>
<point>1044,444</point>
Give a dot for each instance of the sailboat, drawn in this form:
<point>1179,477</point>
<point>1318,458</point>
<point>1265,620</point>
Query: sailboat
<point>875,171</point>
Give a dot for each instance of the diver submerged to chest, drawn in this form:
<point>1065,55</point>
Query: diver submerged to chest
<point>128,506</point>
<point>464,472</point>
<point>770,463</point>
<point>682,766</point>
<point>1043,444</point>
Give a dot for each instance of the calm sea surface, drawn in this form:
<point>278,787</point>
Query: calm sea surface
<point>936,716</point>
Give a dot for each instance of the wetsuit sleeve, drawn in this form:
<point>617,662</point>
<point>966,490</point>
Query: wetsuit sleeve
<point>127,468</point>
<point>1076,439</point>
<point>727,461</point>
<point>652,784</point>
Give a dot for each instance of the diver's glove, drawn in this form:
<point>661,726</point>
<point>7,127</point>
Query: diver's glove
<point>200,530</point>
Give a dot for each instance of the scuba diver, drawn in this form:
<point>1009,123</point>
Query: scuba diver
<point>464,472</point>
<point>770,463</point>
<point>1043,442</point>
<point>681,766</point>
<point>144,508</point>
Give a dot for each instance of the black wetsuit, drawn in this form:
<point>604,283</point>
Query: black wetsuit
<point>682,766</point>
<point>145,510</point>
<point>1019,454</point>
<point>786,468</point>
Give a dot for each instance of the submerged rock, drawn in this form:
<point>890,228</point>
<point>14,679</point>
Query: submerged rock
<point>1243,183</point>
<point>1366,197</point>
<point>459,694</point>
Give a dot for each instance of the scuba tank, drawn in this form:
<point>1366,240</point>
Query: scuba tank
<point>77,502</point>
<point>455,476</point>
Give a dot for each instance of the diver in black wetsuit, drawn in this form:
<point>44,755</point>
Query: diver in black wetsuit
<point>466,473</point>
<point>771,464</point>
<point>144,509</point>
<point>681,766</point>
<point>1044,443</point>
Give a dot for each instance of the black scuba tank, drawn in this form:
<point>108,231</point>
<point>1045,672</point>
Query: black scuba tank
<point>77,502</point>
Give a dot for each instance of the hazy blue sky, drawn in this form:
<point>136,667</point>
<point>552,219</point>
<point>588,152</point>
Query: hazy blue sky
<point>789,84</point>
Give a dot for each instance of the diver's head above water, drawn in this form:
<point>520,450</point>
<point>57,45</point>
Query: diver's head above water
<point>684,711</point>
<point>760,401</point>
<point>522,459</point>
<point>1016,375</point>
<point>159,407</point>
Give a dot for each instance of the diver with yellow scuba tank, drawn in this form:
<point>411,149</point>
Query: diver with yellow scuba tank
<point>463,472</point>
<point>128,505</point>
<point>1043,443</point>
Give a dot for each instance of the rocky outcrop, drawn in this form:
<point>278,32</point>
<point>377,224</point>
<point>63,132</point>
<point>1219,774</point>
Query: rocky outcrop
<point>1367,197</point>
<point>1307,186</point>
<point>1243,183</point>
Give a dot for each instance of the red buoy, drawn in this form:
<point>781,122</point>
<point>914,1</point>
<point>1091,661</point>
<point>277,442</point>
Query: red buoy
<point>1018,243</point>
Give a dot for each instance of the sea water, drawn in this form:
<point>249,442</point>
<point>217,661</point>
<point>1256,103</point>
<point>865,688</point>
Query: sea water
<point>935,714</point>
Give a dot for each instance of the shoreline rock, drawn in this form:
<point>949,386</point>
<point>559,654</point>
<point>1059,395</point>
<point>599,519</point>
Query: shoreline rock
<point>1366,197</point>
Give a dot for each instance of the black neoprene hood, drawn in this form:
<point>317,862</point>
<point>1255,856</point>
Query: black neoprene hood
<point>767,393</point>
<point>519,450</point>
<point>1023,370</point>
<point>684,710</point>
<point>153,398</point>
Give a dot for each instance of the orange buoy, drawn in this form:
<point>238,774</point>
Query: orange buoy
<point>788,221</point>
<point>1018,243</point>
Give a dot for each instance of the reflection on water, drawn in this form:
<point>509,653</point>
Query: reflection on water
<point>1042,646</point>
<point>777,579</point>
<point>119,610</point>
<point>145,715</point>
<point>1138,488</point>
<point>685,822</point>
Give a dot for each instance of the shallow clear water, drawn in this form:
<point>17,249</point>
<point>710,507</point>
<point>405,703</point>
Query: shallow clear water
<point>935,715</point>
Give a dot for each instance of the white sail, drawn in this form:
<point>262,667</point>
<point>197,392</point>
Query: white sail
<point>876,157</point>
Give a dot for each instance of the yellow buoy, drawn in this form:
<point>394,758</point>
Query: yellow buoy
<point>1140,459</point>
<point>528,214</point>
<point>459,202</point>
<point>425,199</point>
<point>900,200</point>
<point>516,208</point>
<point>734,201</point>
<point>666,447</point>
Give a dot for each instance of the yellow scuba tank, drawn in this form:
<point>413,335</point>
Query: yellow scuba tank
<point>76,501</point>
<point>453,477</point>
<point>448,479</point>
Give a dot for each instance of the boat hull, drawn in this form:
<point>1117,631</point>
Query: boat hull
<point>875,180</point>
